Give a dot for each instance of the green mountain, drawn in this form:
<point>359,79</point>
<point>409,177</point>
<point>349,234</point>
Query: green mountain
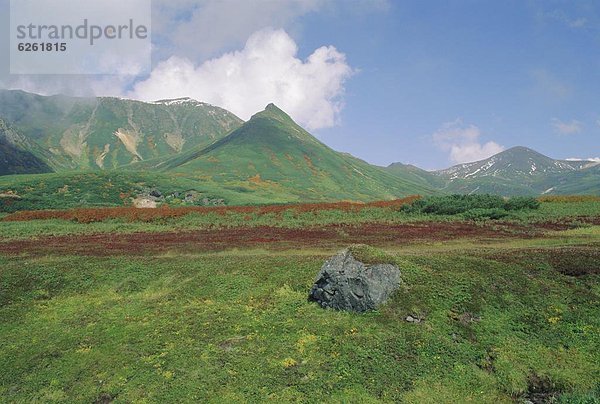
<point>581,182</point>
<point>184,147</point>
<point>416,174</point>
<point>70,133</point>
<point>271,152</point>
<point>14,157</point>
<point>521,171</point>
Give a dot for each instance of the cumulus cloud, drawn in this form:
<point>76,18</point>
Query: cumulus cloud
<point>266,70</point>
<point>566,128</point>
<point>197,29</point>
<point>200,29</point>
<point>462,142</point>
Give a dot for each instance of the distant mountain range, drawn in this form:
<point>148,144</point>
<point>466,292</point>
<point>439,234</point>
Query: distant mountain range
<point>516,171</point>
<point>270,156</point>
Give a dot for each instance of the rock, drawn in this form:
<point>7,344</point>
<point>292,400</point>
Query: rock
<point>345,283</point>
<point>213,202</point>
<point>155,193</point>
<point>413,319</point>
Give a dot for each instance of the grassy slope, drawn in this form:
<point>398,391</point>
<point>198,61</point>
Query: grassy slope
<point>14,160</point>
<point>16,156</point>
<point>273,152</point>
<point>582,182</point>
<point>112,188</point>
<point>491,185</point>
<point>499,321</point>
<point>416,174</point>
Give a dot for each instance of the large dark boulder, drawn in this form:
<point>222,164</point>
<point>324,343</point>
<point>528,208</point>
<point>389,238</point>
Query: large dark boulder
<point>155,193</point>
<point>345,283</point>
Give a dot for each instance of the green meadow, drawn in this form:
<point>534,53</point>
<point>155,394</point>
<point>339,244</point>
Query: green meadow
<point>505,318</point>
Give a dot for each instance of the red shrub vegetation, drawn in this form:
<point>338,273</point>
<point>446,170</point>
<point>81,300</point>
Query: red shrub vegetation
<point>569,198</point>
<point>89,215</point>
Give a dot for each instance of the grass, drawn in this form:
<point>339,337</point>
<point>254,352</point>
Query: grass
<point>67,190</point>
<point>503,321</point>
<point>166,329</point>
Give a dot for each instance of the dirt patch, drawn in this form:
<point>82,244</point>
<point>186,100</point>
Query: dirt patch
<point>567,224</point>
<point>541,390</point>
<point>105,398</point>
<point>576,261</point>
<point>231,343</point>
<point>144,203</point>
<point>9,194</point>
<point>327,237</point>
<point>102,156</point>
<point>130,140</point>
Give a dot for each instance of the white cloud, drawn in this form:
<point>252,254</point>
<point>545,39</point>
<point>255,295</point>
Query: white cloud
<point>196,29</point>
<point>577,23</point>
<point>566,128</point>
<point>200,29</point>
<point>266,70</point>
<point>561,16</point>
<point>462,142</point>
<point>74,85</point>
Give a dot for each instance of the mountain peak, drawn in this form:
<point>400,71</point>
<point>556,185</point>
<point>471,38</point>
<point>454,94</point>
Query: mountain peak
<point>275,109</point>
<point>272,111</point>
<point>521,149</point>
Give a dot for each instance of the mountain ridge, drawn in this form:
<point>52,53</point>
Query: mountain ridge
<point>505,162</point>
<point>190,138</point>
<point>518,170</point>
<point>110,132</point>
<point>270,150</point>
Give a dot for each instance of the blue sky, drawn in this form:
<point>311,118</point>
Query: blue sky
<point>432,83</point>
<point>513,69</point>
